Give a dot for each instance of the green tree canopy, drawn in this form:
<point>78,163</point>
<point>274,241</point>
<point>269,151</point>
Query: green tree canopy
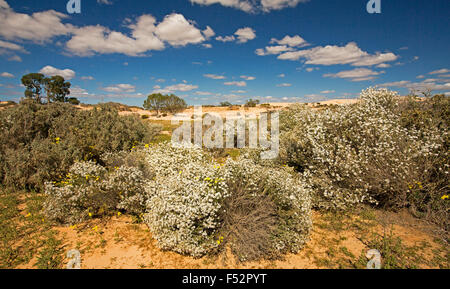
<point>167,103</point>
<point>55,87</point>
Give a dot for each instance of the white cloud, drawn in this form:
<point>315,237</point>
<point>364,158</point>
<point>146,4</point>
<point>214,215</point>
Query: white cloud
<point>245,34</point>
<point>440,71</point>
<point>78,92</point>
<point>87,78</point>
<point>282,75</point>
<point>120,88</point>
<point>271,50</point>
<point>146,35</point>
<point>214,76</point>
<point>358,74</point>
<point>284,85</point>
<point>248,77</point>
<point>332,55</point>
<point>239,91</point>
<point>251,6</point>
<point>290,41</point>
<point>327,91</point>
<point>11,46</point>
<point>225,39</point>
<point>7,75</point>
<point>207,45</point>
<point>52,71</point>
<point>37,27</point>
<point>208,32</point>
<point>383,65</point>
<point>418,86</point>
<point>176,87</point>
<point>178,31</point>
<point>268,5</point>
<point>236,83</point>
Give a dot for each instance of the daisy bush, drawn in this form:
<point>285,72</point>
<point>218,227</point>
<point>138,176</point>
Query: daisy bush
<point>268,211</point>
<point>91,190</point>
<point>188,200</point>
<point>360,153</point>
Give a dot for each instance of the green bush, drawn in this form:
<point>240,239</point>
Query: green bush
<point>39,143</point>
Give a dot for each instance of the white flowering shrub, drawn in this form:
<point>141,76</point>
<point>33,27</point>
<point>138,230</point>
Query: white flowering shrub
<point>185,199</point>
<point>91,190</point>
<point>188,201</point>
<point>269,212</point>
<point>357,153</point>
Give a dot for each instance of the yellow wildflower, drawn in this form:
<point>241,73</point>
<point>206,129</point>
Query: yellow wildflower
<point>119,213</point>
<point>445,197</point>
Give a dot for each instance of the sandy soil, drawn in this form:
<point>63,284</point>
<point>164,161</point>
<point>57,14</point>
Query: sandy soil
<point>232,111</point>
<point>119,243</point>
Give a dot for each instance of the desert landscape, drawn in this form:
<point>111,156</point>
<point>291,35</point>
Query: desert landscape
<point>213,136</point>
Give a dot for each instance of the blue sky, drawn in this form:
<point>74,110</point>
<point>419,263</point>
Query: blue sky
<point>208,51</point>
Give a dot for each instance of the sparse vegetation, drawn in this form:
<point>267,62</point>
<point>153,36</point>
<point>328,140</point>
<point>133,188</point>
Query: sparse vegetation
<point>93,165</point>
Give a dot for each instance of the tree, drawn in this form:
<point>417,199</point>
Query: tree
<point>57,89</point>
<point>73,100</point>
<point>225,103</point>
<point>252,103</point>
<point>33,83</point>
<point>174,104</point>
<point>167,103</point>
<point>155,101</point>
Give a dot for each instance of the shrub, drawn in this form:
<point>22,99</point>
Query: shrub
<point>91,190</point>
<point>267,213</point>
<point>39,143</point>
<point>194,201</point>
<point>185,199</point>
<point>362,152</point>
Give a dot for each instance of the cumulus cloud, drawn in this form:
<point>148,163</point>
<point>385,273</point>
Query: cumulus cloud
<point>241,35</point>
<point>251,6</point>
<point>245,34</point>
<point>7,75</point>
<point>176,87</point>
<point>37,27</point>
<point>52,71</point>
<point>418,86</point>
<point>294,41</point>
<point>225,38</point>
<point>11,46</point>
<point>332,55</point>
<point>214,76</point>
<point>273,50</point>
<point>236,83</point>
<point>440,71</point>
<point>358,74</point>
<point>208,32</point>
<point>120,88</point>
<point>248,77</point>
<point>178,31</point>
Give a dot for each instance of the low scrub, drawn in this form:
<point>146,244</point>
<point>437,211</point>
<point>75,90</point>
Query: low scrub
<point>375,151</point>
<point>39,143</point>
